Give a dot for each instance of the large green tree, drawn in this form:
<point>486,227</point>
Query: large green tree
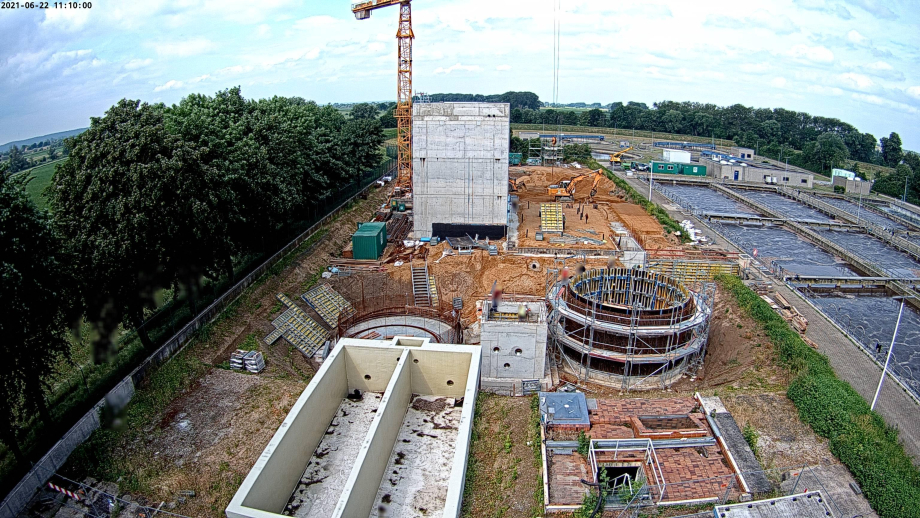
<point>139,211</point>
<point>364,111</point>
<point>39,306</point>
<point>891,149</point>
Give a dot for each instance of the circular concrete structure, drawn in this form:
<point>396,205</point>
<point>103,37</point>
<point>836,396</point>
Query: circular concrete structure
<point>627,327</point>
<point>380,319</point>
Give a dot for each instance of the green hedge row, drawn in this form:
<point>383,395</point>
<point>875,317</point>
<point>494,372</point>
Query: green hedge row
<point>654,210</point>
<point>857,436</point>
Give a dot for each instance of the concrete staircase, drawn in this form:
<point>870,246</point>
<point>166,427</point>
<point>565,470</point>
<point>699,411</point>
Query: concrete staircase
<point>420,285</point>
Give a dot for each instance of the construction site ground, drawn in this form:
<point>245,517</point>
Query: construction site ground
<point>208,425</point>
<point>609,201</point>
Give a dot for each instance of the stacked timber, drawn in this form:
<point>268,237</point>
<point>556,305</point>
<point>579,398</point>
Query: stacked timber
<point>357,265</point>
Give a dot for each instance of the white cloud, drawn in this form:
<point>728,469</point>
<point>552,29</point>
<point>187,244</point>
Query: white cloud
<point>134,64</point>
<point>778,82</point>
<point>457,66</point>
<point>876,7</point>
<point>818,54</point>
<point>881,101</point>
<point>263,30</point>
<point>503,67</point>
<point>169,85</point>
<point>184,48</point>
<point>755,67</point>
<point>858,81</point>
<point>200,78</point>
<point>824,90</point>
<point>879,65</point>
<point>914,91</point>
<point>855,37</point>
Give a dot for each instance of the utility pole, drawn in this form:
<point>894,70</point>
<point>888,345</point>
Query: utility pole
<point>888,358</point>
<point>904,198</point>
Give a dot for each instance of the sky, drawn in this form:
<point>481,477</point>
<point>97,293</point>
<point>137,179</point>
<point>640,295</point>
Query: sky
<point>856,60</point>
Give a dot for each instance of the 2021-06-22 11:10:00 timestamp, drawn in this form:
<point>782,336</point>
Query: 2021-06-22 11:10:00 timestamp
<point>46,5</point>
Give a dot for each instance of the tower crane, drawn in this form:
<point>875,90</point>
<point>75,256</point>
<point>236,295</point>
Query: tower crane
<point>403,111</point>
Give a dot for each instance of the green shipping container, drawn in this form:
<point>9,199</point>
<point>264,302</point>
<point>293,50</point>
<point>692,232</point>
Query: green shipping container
<point>515,158</point>
<point>693,170</point>
<point>369,241</point>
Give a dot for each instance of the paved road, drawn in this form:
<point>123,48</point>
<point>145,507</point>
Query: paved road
<point>848,359</point>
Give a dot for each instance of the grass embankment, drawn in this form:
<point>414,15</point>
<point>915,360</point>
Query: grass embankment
<point>504,474</point>
<point>670,224</point>
<point>857,436</point>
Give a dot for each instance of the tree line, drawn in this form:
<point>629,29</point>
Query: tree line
<point>156,197</point>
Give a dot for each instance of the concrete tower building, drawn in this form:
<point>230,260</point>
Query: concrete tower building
<point>460,169</point>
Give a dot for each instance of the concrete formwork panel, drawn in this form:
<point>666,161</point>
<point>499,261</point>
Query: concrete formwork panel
<point>400,368</point>
<point>460,164</point>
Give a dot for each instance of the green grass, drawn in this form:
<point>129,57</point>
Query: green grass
<point>856,435</point>
<point>39,180</point>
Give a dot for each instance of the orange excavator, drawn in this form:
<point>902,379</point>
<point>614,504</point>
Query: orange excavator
<point>565,190</point>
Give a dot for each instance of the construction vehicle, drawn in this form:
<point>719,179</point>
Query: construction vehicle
<point>616,158</point>
<point>518,184</point>
<point>565,190</point>
<point>403,111</point>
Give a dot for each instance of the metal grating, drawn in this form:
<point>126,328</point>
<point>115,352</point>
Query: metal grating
<point>297,328</point>
<point>328,304</point>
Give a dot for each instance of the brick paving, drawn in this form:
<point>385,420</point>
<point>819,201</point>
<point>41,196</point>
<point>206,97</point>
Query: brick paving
<point>849,361</point>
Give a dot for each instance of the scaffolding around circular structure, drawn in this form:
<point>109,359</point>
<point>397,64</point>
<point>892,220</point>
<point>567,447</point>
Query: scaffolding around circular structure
<point>628,327</point>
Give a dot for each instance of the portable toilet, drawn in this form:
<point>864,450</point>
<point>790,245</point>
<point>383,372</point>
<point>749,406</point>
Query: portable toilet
<point>369,241</point>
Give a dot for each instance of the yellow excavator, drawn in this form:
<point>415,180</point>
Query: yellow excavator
<point>617,158</point>
<point>565,190</point>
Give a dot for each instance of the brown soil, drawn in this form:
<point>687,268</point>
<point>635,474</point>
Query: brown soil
<point>599,220</point>
<point>504,478</point>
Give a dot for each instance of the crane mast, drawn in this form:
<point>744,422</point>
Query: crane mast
<point>403,111</point>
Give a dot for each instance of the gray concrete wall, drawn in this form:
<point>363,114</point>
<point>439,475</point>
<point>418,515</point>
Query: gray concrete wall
<point>852,186</point>
<point>361,488</point>
<point>460,164</point>
<point>271,481</point>
<point>519,345</point>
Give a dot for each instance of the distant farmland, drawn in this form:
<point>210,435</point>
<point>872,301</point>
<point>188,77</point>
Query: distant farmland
<point>40,179</point>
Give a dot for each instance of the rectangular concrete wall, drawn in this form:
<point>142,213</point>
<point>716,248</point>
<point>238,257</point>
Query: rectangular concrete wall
<point>439,373</point>
<point>508,337</point>
<point>271,481</point>
<point>398,371</point>
<point>361,488</point>
<point>460,164</point>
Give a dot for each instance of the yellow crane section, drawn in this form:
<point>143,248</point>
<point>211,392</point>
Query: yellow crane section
<point>616,158</point>
<point>403,111</point>
<point>565,190</point>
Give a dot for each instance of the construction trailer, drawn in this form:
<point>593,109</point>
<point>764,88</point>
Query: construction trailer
<point>460,169</point>
<point>678,168</point>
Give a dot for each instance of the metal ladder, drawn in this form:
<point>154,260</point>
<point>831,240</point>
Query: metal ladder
<point>420,288</point>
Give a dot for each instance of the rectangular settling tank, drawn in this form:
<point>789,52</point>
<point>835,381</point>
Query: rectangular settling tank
<point>334,455</point>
